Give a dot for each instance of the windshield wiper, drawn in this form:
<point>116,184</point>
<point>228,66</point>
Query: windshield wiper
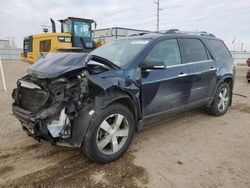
<point>104,61</point>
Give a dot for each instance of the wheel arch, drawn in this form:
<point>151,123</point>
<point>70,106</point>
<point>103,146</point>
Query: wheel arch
<point>229,80</point>
<point>87,113</point>
<point>225,79</point>
<point>124,98</point>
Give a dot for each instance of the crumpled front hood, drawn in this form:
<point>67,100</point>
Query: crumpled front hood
<point>55,64</point>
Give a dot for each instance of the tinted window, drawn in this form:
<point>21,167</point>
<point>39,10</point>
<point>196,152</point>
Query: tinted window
<point>218,48</point>
<point>193,50</point>
<point>168,51</point>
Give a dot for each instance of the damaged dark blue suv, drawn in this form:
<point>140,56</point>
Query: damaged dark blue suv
<point>97,101</point>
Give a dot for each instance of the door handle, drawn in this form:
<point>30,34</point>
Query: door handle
<point>212,68</point>
<point>182,74</point>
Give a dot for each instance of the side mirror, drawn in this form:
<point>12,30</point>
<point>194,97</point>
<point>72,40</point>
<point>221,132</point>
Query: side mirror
<point>153,64</point>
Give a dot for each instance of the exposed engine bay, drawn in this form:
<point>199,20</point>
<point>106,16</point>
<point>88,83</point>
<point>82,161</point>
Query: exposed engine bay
<point>49,98</point>
<point>50,103</point>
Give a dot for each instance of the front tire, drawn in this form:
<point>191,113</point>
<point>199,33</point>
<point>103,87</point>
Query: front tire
<point>109,134</point>
<point>221,100</point>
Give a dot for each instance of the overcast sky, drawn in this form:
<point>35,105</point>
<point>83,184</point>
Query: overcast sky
<point>227,19</point>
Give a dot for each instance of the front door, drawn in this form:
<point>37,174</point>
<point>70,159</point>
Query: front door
<point>166,89</point>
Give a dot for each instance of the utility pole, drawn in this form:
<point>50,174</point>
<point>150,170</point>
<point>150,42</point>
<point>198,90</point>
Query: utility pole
<point>241,48</point>
<point>158,14</point>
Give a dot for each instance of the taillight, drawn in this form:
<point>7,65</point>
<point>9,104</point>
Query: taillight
<point>248,62</point>
<point>248,74</point>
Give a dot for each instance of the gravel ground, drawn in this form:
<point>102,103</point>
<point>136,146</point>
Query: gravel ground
<point>192,149</point>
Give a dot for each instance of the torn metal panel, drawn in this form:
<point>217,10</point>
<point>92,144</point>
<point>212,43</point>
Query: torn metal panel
<point>57,127</point>
<point>100,82</point>
<point>48,112</point>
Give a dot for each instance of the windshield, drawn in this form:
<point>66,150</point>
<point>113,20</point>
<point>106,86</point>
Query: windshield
<point>120,52</point>
<point>82,29</point>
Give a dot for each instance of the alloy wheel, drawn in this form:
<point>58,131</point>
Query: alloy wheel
<point>223,99</point>
<point>112,134</point>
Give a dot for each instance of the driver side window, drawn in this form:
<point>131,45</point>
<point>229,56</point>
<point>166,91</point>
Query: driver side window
<point>167,51</point>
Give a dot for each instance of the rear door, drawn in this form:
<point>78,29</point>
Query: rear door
<point>201,70</point>
<point>166,89</point>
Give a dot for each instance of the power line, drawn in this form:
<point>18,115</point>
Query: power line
<point>137,15</point>
<point>141,23</point>
<point>183,21</point>
<point>197,5</point>
<point>208,18</point>
<point>120,11</point>
<point>127,22</point>
<point>193,5</point>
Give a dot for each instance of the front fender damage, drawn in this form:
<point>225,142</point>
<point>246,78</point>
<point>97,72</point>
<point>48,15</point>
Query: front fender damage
<point>71,105</point>
<point>109,90</point>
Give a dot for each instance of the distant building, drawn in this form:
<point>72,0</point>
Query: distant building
<point>4,43</point>
<point>8,51</point>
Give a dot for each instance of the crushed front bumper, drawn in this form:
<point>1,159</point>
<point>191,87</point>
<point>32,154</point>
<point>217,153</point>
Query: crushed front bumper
<point>44,124</point>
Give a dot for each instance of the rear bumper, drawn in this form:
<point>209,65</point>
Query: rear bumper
<point>248,62</point>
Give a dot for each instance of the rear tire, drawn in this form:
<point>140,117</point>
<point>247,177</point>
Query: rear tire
<point>221,100</point>
<point>109,134</point>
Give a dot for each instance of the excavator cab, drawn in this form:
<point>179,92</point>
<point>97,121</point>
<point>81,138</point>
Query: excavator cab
<point>81,32</point>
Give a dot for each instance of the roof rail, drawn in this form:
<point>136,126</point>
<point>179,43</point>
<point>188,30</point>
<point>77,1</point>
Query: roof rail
<point>177,31</point>
<point>138,34</point>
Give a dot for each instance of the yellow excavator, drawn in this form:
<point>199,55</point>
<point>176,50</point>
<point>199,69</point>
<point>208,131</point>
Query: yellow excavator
<point>75,35</point>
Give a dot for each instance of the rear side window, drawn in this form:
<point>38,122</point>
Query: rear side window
<point>193,50</point>
<point>218,48</point>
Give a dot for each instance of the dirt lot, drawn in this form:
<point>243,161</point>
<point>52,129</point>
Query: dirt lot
<point>191,150</point>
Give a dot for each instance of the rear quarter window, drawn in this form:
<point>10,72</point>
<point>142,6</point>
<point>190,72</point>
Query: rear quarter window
<point>193,50</point>
<point>218,48</point>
